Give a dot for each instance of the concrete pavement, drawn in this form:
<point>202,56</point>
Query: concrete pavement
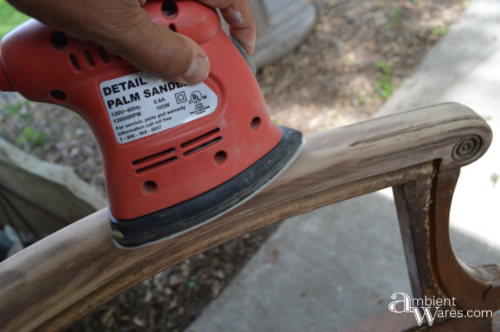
<point>465,67</point>
<point>329,268</point>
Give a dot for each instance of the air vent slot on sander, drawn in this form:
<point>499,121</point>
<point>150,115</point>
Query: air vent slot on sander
<point>146,160</point>
<point>199,138</point>
<point>74,62</point>
<point>88,57</point>
<point>103,54</point>
<point>161,163</point>
<point>203,146</point>
<point>200,142</point>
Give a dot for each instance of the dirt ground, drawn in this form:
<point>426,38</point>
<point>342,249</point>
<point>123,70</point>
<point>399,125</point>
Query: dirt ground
<point>359,52</point>
<point>357,55</point>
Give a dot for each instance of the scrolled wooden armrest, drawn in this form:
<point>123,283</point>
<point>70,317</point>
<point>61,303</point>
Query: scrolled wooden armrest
<point>68,274</point>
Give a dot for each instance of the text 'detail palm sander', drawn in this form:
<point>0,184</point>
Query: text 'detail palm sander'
<point>175,155</point>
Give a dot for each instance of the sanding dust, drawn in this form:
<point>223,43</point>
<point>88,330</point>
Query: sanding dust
<point>202,17</point>
<point>236,16</point>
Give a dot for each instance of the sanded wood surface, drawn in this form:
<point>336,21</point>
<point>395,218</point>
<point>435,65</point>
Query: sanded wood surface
<point>61,278</point>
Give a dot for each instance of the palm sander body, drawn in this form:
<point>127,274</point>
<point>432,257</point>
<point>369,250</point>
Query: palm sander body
<point>175,156</point>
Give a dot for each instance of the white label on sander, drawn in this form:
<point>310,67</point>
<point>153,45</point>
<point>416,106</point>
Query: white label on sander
<point>142,104</point>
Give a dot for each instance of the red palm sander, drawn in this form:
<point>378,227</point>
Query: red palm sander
<point>175,155</point>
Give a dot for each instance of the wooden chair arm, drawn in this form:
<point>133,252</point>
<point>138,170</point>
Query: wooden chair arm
<point>70,273</point>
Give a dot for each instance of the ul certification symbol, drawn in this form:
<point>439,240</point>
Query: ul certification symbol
<point>196,97</point>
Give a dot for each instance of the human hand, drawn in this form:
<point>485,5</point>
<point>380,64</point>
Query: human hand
<point>123,28</point>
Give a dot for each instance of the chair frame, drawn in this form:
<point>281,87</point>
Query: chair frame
<point>419,153</point>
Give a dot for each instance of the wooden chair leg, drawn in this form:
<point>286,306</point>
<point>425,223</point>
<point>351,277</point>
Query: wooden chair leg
<point>423,208</point>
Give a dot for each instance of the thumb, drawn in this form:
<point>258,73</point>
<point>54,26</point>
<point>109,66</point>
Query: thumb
<point>157,50</point>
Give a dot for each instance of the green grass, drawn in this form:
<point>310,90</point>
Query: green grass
<point>334,114</point>
<point>31,137</point>
<point>384,67</point>
<point>349,62</point>
<point>11,110</point>
<point>28,136</point>
<point>9,18</point>
<point>384,86</point>
<point>395,17</point>
<point>439,31</point>
<point>361,99</point>
<point>494,178</point>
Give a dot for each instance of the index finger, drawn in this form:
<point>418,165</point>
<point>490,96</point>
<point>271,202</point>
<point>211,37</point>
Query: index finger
<point>239,16</point>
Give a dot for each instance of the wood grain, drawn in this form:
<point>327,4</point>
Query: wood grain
<point>72,272</point>
<point>423,208</point>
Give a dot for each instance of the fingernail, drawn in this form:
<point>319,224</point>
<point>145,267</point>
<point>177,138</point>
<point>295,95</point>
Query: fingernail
<point>198,70</point>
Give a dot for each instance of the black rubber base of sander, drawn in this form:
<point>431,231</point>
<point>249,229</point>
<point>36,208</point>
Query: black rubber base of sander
<point>177,219</point>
